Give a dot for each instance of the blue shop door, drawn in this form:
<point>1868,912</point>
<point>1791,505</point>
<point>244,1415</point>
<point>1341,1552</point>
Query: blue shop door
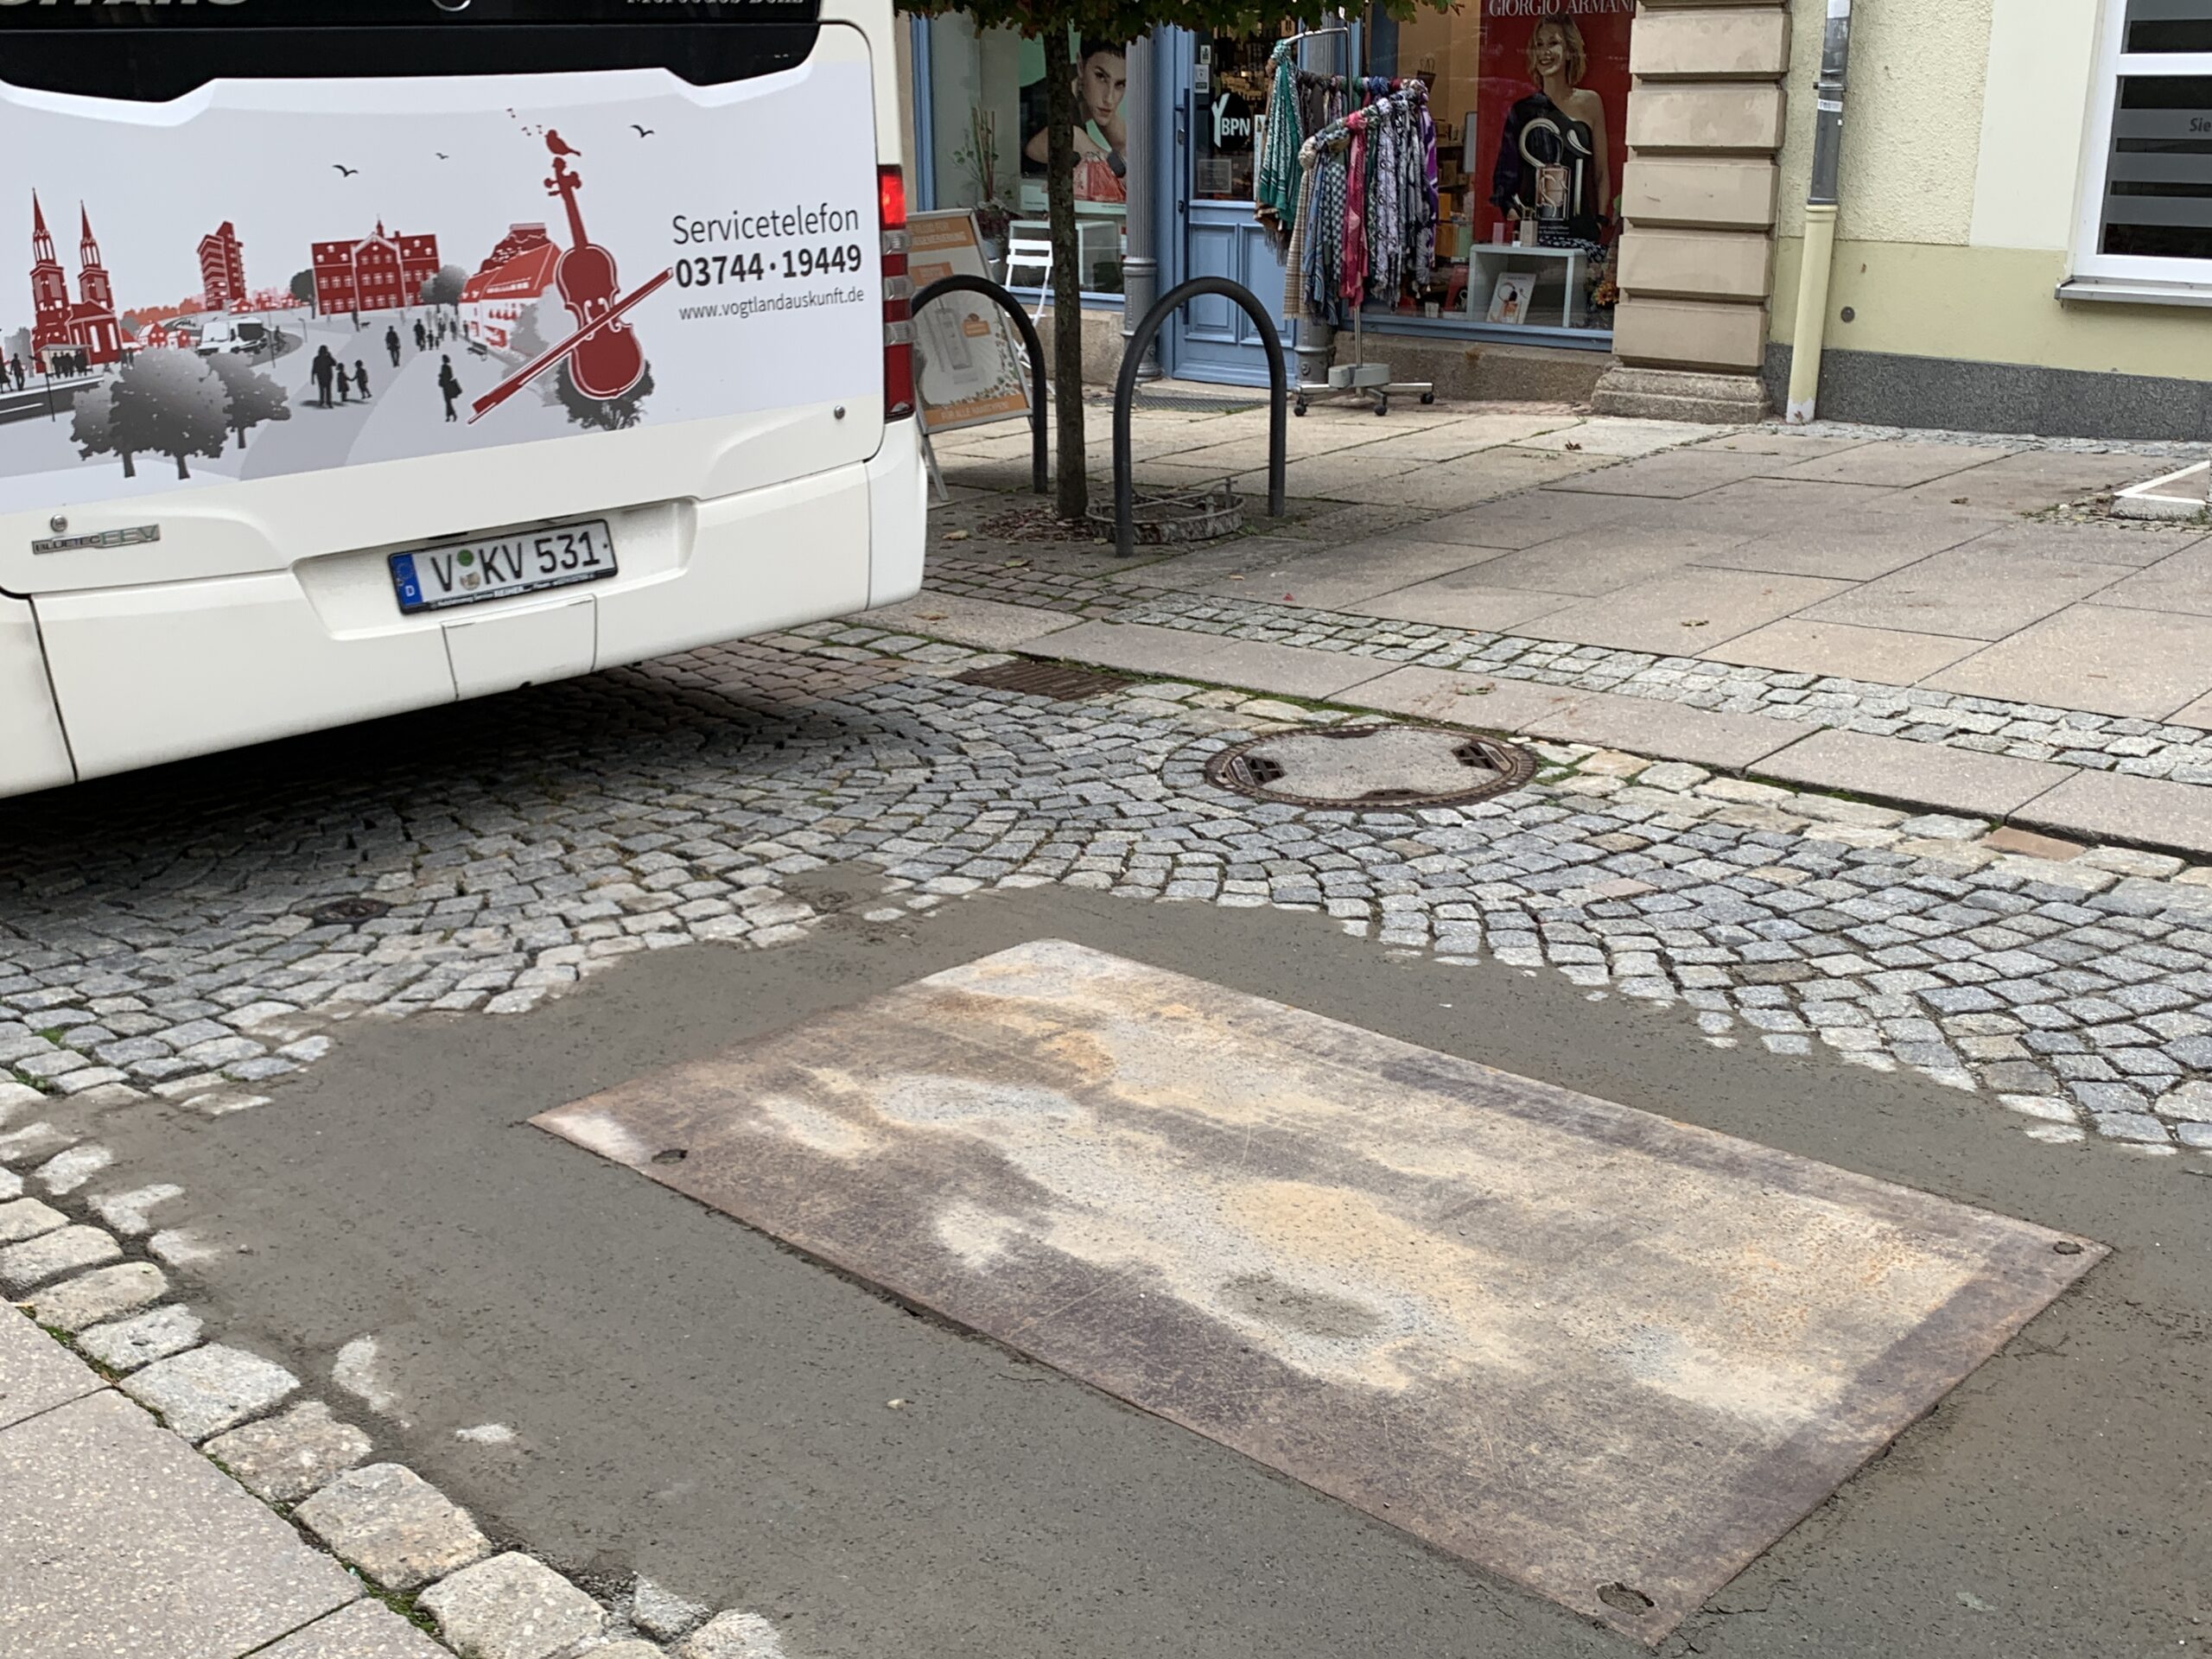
<point>1220,88</point>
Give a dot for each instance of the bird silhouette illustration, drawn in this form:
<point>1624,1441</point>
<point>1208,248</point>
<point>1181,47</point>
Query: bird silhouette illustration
<point>559,145</point>
<point>642,132</point>
<point>348,171</point>
<point>441,156</point>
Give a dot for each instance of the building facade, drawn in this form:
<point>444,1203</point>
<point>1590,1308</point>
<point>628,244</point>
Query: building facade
<point>2024,235</point>
<point>1192,126</point>
<point>222,269</point>
<point>380,272</point>
<point>513,277</point>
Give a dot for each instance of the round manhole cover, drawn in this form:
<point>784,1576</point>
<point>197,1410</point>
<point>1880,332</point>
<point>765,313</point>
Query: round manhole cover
<point>1376,767</point>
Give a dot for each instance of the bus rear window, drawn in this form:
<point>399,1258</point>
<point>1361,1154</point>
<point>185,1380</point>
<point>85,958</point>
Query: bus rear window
<point>152,53</point>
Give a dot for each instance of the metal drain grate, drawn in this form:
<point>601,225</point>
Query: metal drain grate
<point>1353,766</point>
<point>1058,681</point>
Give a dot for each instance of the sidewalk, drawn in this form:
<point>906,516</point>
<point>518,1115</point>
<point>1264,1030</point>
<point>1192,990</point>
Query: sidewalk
<point>119,1540</point>
<point>1916,621</point>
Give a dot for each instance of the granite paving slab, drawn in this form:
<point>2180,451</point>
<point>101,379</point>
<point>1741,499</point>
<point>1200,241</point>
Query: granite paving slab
<point>2139,664</point>
<point>1671,476</point>
<point>117,1541</point>
<point>2147,809</point>
<point>1873,656</point>
<point>1888,768</point>
<point>1983,590</point>
<point>2180,582</point>
<point>983,623</point>
<point>1284,670</point>
<point>1685,611</point>
<point>36,1372</point>
<point>1898,464</point>
<point>367,1630</point>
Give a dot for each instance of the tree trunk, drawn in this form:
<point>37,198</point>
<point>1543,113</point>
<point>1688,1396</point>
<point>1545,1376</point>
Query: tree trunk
<point>129,465</point>
<point>1073,491</point>
<point>182,471</point>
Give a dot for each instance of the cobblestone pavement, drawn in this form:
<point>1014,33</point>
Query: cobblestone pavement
<point>156,933</point>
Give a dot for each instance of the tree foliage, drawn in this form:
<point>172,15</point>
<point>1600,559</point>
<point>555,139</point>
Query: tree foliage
<point>303,287</point>
<point>92,427</point>
<point>168,404</point>
<point>1058,25</point>
<point>604,414</point>
<point>444,289</point>
<point>250,397</point>
<point>527,341</point>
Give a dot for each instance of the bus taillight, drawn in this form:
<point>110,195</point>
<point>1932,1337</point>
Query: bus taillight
<point>897,296</point>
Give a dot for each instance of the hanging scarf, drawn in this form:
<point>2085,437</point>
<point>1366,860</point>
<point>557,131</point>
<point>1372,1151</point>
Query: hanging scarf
<point>1325,211</point>
<point>1367,207</point>
<point>1430,202</point>
<point>1278,177</point>
<point>1386,201</point>
<point>1352,278</point>
<point>1293,264</point>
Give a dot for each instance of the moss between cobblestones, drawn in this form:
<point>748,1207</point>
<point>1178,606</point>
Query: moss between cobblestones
<point>400,1601</point>
<point>107,1374</point>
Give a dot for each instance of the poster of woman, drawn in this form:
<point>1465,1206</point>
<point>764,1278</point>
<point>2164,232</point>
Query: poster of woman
<point>1558,78</point>
<point>1101,136</point>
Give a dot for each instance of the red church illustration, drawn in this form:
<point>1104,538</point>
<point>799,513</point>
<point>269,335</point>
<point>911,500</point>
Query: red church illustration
<point>514,276</point>
<point>222,269</point>
<point>382,272</point>
<point>87,329</point>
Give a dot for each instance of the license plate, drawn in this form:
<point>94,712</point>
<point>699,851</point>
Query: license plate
<point>500,567</point>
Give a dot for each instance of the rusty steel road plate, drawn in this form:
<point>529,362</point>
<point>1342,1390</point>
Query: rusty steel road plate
<point>1608,1355</point>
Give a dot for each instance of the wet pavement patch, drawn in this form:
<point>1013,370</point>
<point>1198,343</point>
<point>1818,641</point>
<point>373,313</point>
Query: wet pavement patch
<point>1611,1355</point>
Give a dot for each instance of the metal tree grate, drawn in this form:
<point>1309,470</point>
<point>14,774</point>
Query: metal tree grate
<point>1158,519</point>
<point>1350,767</point>
<point>1059,681</point>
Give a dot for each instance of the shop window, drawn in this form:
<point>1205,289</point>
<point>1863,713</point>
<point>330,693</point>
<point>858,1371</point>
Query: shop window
<point>987,137</point>
<point>2147,208</point>
<point>1530,102</point>
<point>1230,87</point>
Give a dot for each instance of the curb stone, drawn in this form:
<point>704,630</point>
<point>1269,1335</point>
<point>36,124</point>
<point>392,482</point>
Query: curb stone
<point>512,1606</point>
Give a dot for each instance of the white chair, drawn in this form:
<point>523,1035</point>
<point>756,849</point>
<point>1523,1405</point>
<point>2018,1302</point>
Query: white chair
<point>1030,253</point>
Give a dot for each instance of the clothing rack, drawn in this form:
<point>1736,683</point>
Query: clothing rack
<point>1358,378</point>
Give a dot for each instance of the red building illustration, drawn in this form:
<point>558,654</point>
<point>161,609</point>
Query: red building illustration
<point>509,280</point>
<point>382,272</point>
<point>87,328</point>
<point>222,268</point>
<point>174,335</point>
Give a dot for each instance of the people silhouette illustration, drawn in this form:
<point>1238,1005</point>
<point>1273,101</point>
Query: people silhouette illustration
<point>391,345</point>
<point>325,368</point>
<point>450,383</point>
<point>361,379</point>
<point>422,336</point>
<point>15,370</point>
<point>345,384</point>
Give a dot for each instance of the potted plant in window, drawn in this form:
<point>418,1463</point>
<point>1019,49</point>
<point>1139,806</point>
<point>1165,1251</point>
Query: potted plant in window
<point>980,157</point>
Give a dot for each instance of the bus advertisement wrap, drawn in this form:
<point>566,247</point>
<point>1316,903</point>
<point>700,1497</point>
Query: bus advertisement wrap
<point>275,277</point>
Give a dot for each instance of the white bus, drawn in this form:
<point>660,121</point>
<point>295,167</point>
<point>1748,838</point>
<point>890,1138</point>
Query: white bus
<point>591,343</point>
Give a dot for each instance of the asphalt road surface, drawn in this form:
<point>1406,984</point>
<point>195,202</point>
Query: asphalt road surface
<point>690,1399</point>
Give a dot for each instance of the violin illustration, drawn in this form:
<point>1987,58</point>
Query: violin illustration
<point>606,361</point>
